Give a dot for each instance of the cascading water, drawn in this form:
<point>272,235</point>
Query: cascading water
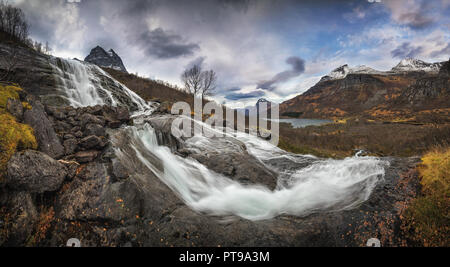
<point>324,185</point>
<point>84,84</point>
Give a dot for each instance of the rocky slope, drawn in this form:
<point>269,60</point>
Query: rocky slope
<point>101,58</point>
<point>412,86</point>
<point>93,195</point>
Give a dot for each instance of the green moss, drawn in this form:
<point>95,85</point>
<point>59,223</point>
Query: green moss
<point>14,136</point>
<point>7,92</point>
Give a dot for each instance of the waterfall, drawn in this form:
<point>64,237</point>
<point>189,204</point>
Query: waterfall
<point>324,185</point>
<point>84,84</point>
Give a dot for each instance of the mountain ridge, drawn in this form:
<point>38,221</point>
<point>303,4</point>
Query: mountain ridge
<point>106,59</point>
<point>411,86</point>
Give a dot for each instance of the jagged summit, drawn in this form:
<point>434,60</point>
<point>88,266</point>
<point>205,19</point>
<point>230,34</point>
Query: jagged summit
<point>411,64</point>
<point>405,65</point>
<point>344,70</point>
<point>107,59</point>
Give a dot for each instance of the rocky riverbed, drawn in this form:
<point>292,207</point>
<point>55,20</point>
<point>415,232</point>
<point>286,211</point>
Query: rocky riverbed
<point>76,186</point>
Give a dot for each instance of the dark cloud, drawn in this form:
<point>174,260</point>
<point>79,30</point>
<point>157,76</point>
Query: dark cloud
<point>416,20</point>
<point>164,45</point>
<point>298,67</point>
<point>406,50</point>
<point>239,96</point>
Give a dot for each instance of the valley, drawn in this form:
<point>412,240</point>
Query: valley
<point>93,152</point>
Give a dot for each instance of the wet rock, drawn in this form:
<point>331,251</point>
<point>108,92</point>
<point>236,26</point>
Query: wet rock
<point>89,118</point>
<point>72,113</point>
<point>95,110</point>
<point>164,108</point>
<point>86,156</point>
<point>122,114</point>
<point>91,141</point>
<point>163,128</point>
<point>78,134</point>
<point>59,114</point>
<point>62,126</point>
<point>70,146</point>
<point>35,172</point>
<point>45,134</point>
<point>227,156</point>
<point>71,167</point>
<point>94,129</point>
<point>119,171</point>
<point>23,217</point>
<point>114,124</point>
<point>15,107</point>
<point>68,136</point>
<point>93,196</point>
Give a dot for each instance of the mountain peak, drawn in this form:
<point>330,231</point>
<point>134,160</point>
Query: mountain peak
<point>412,64</point>
<point>344,70</point>
<point>101,58</point>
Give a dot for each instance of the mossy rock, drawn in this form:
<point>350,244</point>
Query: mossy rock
<point>7,92</point>
<point>13,135</point>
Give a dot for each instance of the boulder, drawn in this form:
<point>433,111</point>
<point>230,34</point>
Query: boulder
<point>70,146</point>
<point>35,172</point>
<point>45,134</point>
<point>122,114</point>
<point>94,129</point>
<point>22,218</point>
<point>91,141</point>
<point>89,118</point>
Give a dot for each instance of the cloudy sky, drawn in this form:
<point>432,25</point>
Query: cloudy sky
<point>259,48</point>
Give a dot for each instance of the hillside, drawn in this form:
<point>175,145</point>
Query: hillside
<point>411,89</point>
<point>149,89</point>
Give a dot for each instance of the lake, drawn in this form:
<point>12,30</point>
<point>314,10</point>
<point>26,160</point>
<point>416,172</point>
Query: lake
<point>302,123</point>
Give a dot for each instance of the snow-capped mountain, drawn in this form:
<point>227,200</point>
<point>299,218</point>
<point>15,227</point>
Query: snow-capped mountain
<point>410,64</point>
<point>344,70</point>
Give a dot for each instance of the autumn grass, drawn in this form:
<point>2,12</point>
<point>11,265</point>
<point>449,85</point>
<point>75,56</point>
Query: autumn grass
<point>427,218</point>
<point>13,135</point>
<point>378,138</point>
<point>150,90</point>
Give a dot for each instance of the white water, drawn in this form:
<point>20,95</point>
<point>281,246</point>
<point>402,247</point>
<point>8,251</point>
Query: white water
<point>325,185</point>
<point>83,86</point>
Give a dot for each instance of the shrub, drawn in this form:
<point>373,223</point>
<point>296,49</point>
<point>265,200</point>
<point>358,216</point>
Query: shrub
<point>427,218</point>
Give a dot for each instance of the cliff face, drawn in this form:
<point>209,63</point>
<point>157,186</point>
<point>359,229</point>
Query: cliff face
<point>372,93</point>
<point>101,58</point>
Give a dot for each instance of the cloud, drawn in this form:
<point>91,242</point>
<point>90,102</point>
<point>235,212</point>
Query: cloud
<point>199,61</point>
<point>298,67</point>
<point>162,44</point>
<point>239,96</point>
<point>406,50</point>
<point>413,13</point>
<point>442,52</point>
<point>357,14</point>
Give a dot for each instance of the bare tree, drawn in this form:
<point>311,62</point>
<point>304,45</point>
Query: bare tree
<point>192,79</point>
<point>199,82</point>
<point>47,48</point>
<point>209,80</point>
<point>12,21</point>
<point>9,61</point>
